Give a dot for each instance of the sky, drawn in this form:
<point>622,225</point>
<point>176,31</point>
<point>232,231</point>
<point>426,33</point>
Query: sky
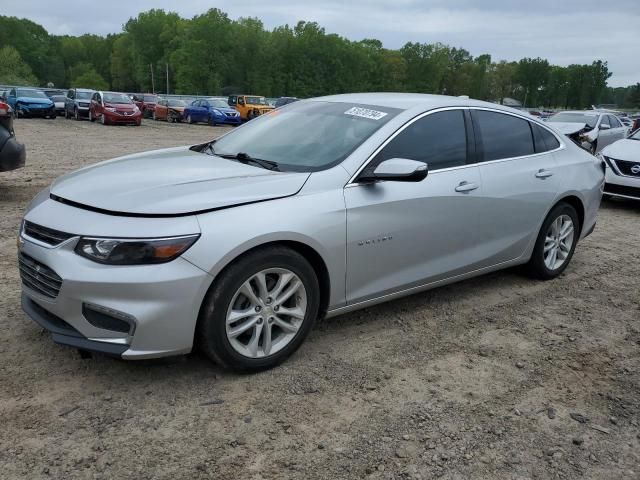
<point>562,31</point>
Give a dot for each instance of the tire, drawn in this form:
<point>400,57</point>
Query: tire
<point>66,113</point>
<point>76,114</point>
<point>189,119</point>
<point>154,116</point>
<point>211,332</point>
<point>537,266</point>
<point>91,117</point>
<point>103,120</point>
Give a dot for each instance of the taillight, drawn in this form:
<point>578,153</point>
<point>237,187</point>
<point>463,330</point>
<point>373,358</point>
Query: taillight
<point>4,108</point>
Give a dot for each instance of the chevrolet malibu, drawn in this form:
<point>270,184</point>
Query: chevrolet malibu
<point>321,207</point>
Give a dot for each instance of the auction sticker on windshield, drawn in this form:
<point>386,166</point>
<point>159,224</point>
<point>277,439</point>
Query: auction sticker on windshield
<point>365,113</point>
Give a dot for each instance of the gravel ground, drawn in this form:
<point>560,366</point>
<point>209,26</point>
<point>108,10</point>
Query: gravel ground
<point>496,377</point>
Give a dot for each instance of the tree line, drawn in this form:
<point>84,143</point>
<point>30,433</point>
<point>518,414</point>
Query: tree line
<point>211,54</point>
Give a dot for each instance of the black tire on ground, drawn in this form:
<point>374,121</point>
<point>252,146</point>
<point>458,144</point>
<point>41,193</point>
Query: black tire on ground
<point>536,266</point>
<point>76,114</point>
<point>189,120</point>
<point>66,113</point>
<point>211,335</point>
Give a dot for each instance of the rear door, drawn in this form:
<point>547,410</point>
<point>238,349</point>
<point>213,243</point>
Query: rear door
<point>401,234</point>
<point>519,180</point>
<point>619,130</point>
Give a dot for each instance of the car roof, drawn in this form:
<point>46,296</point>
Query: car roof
<point>83,90</point>
<point>409,101</point>
<point>593,112</point>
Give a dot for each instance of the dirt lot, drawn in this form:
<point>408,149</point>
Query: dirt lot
<point>497,377</point>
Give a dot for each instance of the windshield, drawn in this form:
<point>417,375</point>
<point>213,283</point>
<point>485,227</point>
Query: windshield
<point>256,101</point>
<point>83,95</point>
<point>575,117</point>
<point>307,136</point>
<point>217,103</point>
<point>28,92</point>
<point>176,103</point>
<point>636,135</point>
<point>150,98</point>
<point>58,98</point>
<point>116,98</point>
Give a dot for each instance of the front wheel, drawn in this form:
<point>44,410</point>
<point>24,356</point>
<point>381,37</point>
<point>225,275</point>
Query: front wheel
<point>189,119</point>
<point>76,113</point>
<point>260,310</point>
<point>556,243</point>
<point>91,117</point>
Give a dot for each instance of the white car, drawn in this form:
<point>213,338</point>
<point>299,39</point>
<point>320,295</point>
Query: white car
<point>623,167</point>
<point>592,129</point>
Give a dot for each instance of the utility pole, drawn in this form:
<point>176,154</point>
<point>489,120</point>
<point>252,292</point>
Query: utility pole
<point>167,79</point>
<point>153,85</point>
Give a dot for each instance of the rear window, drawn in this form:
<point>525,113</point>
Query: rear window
<point>544,140</point>
<point>502,135</point>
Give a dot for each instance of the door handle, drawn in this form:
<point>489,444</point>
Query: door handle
<point>542,173</point>
<point>464,187</point>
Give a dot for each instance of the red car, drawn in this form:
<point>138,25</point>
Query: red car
<point>114,108</point>
<point>146,102</point>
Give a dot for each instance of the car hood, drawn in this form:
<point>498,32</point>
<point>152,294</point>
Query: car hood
<point>44,101</point>
<point>625,149</point>
<point>567,128</point>
<point>172,182</point>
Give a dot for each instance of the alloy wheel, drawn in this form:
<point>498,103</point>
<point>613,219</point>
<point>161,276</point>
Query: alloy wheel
<point>558,242</point>
<point>266,313</point>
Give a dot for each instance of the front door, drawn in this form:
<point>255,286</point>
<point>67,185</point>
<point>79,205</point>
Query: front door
<point>401,235</point>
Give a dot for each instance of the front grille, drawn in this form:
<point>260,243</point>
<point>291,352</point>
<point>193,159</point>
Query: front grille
<point>45,235</point>
<point>38,277</point>
<point>630,169</point>
<point>83,104</point>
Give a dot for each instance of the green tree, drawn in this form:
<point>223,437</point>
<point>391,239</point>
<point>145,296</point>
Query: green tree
<point>14,70</point>
<point>90,79</point>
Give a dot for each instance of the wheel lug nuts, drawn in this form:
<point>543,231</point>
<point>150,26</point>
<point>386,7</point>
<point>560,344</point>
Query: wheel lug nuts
<point>276,308</point>
<point>259,322</point>
<point>269,301</point>
<point>258,308</point>
<point>271,319</point>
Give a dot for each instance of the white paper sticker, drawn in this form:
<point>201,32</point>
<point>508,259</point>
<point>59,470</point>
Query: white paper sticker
<point>365,113</point>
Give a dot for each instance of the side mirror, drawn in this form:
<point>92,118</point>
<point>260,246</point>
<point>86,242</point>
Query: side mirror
<point>605,126</point>
<point>397,170</point>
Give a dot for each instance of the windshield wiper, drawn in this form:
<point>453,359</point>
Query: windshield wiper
<point>245,158</point>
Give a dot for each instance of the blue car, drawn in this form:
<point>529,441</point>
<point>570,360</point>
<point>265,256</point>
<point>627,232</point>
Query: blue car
<point>214,111</point>
<point>29,102</point>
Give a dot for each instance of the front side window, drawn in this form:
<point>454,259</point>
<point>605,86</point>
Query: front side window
<point>307,137</point>
<point>503,136</point>
<point>439,140</point>
<point>614,122</point>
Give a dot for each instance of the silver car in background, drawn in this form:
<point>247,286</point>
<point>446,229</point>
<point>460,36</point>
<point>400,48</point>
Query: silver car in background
<point>321,207</point>
<point>592,129</point>
<point>77,103</point>
<point>623,167</point>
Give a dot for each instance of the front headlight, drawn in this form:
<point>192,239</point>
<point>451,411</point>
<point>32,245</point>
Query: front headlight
<point>135,109</point>
<point>217,112</point>
<point>110,109</point>
<point>142,251</point>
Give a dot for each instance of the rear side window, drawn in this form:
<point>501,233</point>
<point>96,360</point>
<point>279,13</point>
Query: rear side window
<point>543,139</point>
<point>439,140</point>
<point>502,135</point>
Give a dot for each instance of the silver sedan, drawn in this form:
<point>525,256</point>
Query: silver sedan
<point>321,207</point>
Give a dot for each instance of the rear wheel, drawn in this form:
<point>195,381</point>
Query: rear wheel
<point>260,310</point>
<point>189,119</point>
<point>103,120</point>
<point>154,115</point>
<point>556,243</point>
